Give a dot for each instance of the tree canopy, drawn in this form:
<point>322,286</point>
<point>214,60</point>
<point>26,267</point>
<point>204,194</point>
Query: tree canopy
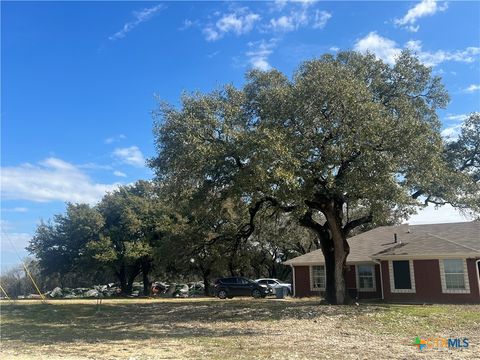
<point>349,140</point>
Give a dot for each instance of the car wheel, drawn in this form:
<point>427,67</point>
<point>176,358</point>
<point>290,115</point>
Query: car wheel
<point>222,294</point>
<point>256,294</point>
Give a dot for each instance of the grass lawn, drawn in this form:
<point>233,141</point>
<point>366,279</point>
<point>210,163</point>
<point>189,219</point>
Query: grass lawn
<point>231,329</point>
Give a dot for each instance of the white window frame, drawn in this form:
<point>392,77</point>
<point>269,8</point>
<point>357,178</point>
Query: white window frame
<point>374,288</point>
<point>311,278</point>
<point>444,282</point>
<point>392,279</point>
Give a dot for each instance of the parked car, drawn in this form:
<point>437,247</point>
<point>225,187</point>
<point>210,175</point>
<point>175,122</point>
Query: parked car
<point>239,286</point>
<point>275,284</point>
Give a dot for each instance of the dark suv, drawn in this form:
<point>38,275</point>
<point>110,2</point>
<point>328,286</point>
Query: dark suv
<point>239,286</point>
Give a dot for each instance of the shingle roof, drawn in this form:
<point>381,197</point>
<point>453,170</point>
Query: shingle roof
<point>413,240</point>
<point>438,239</point>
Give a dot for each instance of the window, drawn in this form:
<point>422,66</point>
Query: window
<point>401,274</point>
<point>318,277</point>
<point>402,277</point>
<point>366,277</point>
<point>454,276</point>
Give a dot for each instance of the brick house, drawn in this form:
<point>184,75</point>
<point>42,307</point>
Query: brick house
<point>438,263</point>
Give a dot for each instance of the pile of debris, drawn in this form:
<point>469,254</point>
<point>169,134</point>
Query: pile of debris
<point>191,289</point>
<point>158,289</point>
<point>98,291</point>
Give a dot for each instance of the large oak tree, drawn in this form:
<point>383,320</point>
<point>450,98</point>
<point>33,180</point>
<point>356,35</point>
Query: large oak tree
<point>348,141</point>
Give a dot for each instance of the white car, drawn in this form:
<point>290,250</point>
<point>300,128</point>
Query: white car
<point>275,284</point>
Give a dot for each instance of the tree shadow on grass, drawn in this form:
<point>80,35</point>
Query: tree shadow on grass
<point>64,322</point>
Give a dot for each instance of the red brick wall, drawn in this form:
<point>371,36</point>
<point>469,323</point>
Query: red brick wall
<point>351,277</point>
<point>428,284</point>
<point>302,283</point>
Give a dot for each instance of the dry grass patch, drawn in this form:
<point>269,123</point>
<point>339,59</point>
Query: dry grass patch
<point>232,329</point>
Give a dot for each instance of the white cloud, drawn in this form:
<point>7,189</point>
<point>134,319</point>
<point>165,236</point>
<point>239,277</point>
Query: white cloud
<point>459,117</point>
<point>383,48</point>
<point>422,9</point>
<point>130,155</point>
<point>259,53</point>
<point>387,50</point>
<point>119,173</point>
<point>321,18</point>
<point>434,58</point>
<point>296,14</point>
<point>472,88</point>
<point>451,133</point>
<point>115,138</point>
<point>51,180</point>
<point>283,23</point>
<point>443,214</point>
<point>334,49</point>
<point>210,34</point>
<point>139,17</point>
<point>187,24</point>
<point>298,17</point>
<point>238,22</point>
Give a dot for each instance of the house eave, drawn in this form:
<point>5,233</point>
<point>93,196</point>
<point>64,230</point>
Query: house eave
<point>313,263</point>
<point>427,256</point>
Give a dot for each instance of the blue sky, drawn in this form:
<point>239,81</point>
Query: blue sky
<point>79,80</point>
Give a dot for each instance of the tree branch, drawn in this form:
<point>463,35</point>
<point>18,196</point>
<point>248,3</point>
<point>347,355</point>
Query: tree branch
<point>349,226</point>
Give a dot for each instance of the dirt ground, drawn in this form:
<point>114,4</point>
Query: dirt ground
<point>232,329</point>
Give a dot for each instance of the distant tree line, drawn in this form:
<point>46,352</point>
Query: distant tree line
<point>135,232</point>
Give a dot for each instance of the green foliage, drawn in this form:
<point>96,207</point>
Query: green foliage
<point>463,157</point>
<point>348,126</point>
<point>118,234</point>
<point>61,245</point>
<point>348,141</point>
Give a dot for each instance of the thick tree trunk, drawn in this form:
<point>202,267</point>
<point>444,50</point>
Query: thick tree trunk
<point>231,268</point>
<point>340,253</point>
<point>326,244</point>
<point>206,282</point>
<point>131,279</point>
<point>329,256</point>
<point>146,283</point>
<point>122,278</point>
